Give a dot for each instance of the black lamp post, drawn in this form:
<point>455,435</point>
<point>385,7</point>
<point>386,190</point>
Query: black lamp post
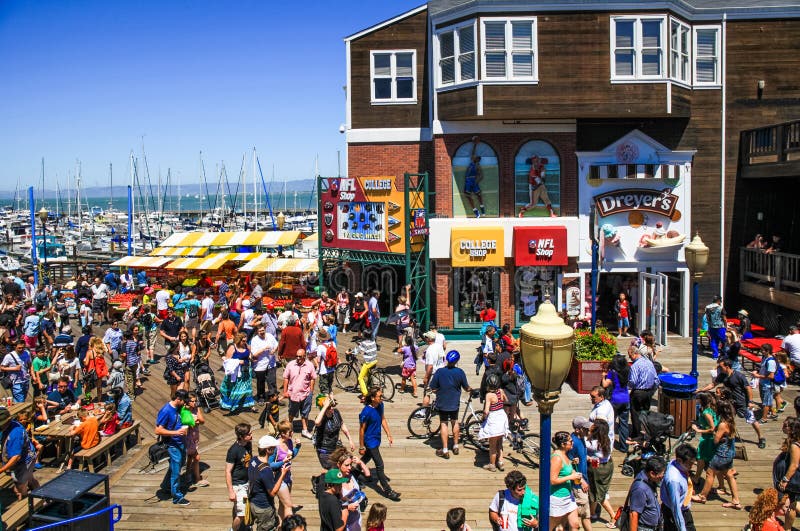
<point>696,260</point>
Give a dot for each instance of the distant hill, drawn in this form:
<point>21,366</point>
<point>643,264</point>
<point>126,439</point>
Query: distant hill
<point>276,188</point>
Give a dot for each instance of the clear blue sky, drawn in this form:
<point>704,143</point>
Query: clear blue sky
<point>87,79</point>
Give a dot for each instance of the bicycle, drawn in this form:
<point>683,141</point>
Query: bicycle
<point>520,441</point>
<point>346,376</point>
<point>424,422</point>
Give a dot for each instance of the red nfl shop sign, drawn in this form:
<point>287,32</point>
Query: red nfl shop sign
<point>540,246</point>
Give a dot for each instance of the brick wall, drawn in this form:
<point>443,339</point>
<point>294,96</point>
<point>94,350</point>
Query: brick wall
<point>365,160</point>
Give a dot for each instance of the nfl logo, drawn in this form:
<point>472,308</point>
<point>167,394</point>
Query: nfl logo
<point>532,245</point>
<point>334,186</point>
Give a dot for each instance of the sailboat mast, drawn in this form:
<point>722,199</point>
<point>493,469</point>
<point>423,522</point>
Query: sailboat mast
<point>42,192</point>
<point>111,186</point>
<point>133,203</point>
<point>78,188</point>
<point>255,191</point>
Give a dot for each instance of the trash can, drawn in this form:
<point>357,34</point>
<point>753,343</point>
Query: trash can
<point>676,398</point>
<point>73,493</point>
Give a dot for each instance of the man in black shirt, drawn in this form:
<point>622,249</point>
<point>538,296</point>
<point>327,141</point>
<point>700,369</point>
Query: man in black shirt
<point>170,327</point>
<point>331,514</point>
<point>741,393</point>
<point>236,462</point>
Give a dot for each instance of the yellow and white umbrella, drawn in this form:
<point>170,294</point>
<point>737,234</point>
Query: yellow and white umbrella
<point>179,251</point>
<point>282,265</point>
<point>141,261</point>
<point>228,239</point>
<point>212,261</point>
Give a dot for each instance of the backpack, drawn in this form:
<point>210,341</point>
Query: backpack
<point>331,355</point>
<point>500,501</point>
<point>779,377</point>
<point>191,311</point>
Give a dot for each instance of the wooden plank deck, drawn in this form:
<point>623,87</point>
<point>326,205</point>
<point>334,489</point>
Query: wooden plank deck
<point>429,485</point>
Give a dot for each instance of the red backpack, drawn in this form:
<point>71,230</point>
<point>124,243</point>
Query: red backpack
<point>331,355</point>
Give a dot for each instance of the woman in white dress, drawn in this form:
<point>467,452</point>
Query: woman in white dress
<point>495,424</point>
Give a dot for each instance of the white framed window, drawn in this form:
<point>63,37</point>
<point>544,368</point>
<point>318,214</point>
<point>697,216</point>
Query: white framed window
<point>706,55</point>
<point>637,48</point>
<point>509,49</point>
<point>393,76</point>
<point>456,54</point>
<point>680,44</point>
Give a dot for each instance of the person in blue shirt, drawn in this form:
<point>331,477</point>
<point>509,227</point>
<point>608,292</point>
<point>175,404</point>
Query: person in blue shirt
<point>124,406</point>
<point>448,382</point>
<point>111,281</point>
<point>18,455</point>
<point>645,512</point>
<point>141,278</point>
<point>168,426</point>
<point>372,420</point>
<point>577,453</point>
<point>675,504</point>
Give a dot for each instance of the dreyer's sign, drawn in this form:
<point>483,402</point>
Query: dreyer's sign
<point>661,202</point>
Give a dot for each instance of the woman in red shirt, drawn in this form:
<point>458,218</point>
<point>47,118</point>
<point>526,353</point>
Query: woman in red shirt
<point>765,511</point>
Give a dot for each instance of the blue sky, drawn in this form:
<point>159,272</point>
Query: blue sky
<point>87,79</point>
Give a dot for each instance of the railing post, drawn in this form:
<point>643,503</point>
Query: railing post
<point>742,264</point>
<point>778,271</point>
<point>780,152</point>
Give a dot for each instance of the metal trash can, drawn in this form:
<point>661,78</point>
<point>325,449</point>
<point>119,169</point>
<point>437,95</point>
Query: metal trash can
<point>676,398</point>
<point>72,494</point>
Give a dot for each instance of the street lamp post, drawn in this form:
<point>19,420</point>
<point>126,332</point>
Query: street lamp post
<point>42,215</point>
<point>696,260</point>
<point>546,350</point>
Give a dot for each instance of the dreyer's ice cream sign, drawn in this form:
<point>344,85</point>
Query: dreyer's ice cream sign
<point>661,202</point>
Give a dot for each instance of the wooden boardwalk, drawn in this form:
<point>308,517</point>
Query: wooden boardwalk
<point>429,485</point>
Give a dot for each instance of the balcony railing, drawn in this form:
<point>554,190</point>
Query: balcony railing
<point>772,151</point>
<point>780,271</point>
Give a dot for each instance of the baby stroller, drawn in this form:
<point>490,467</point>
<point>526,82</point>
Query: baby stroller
<point>653,442</point>
<point>206,387</point>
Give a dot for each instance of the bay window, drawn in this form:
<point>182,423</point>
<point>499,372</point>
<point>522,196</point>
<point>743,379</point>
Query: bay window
<point>509,49</point>
<point>456,49</point>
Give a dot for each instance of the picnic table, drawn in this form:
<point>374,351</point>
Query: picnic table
<point>754,328</point>
<point>754,344</point>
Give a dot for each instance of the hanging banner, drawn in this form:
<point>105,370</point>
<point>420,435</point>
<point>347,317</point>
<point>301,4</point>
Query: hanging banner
<point>477,247</point>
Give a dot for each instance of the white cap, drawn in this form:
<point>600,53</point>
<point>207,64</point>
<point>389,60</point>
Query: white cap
<point>359,294</point>
<point>267,441</point>
<point>246,303</point>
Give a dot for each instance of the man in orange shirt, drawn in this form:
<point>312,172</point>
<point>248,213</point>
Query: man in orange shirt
<point>88,432</point>
<point>225,331</point>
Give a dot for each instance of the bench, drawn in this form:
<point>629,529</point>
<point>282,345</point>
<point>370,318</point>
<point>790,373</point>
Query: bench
<point>107,444</point>
<point>753,359</point>
<point>15,516</point>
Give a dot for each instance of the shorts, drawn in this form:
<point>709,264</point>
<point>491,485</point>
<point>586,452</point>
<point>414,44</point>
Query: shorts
<point>745,413</point>
<point>408,372</point>
<point>444,416</point>
<point>192,324</point>
<point>99,305</point>
<point>24,476</point>
<point>471,186</point>
<point>162,314</point>
<point>30,342</point>
<point>302,407</point>
<point>582,499</point>
<point>241,494</point>
<point>624,322</point>
<point>766,392</point>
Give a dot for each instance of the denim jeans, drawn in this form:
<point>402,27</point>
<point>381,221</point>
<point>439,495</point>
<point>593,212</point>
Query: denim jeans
<point>528,394</point>
<point>375,325</point>
<point>19,391</point>
<point>621,412</point>
<point>172,479</point>
<point>716,338</point>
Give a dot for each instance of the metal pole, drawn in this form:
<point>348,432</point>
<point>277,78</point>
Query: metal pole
<point>130,220</point>
<point>544,472</point>
<point>34,259</point>
<point>595,273</point>
<point>695,325</point>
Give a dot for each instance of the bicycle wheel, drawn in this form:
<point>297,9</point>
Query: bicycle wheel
<point>385,382</point>
<point>472,430</point>
<point>529,448</point>
<point>346,376</point>
<point>423,424</point>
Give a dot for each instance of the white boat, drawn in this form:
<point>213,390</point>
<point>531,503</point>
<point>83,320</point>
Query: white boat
<point>8,263</point>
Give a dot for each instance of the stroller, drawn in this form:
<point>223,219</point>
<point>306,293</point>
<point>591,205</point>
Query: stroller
<point>655,441</point>
<point>206,387</point>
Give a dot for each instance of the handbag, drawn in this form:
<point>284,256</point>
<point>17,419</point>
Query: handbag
<point>5,379</point>
<point>248,519</point>
<point>156,453</point>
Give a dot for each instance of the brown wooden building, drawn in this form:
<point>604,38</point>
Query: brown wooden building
<point>629,111</point>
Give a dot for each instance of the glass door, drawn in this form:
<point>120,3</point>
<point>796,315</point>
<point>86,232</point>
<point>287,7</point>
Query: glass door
<point>653,296</point>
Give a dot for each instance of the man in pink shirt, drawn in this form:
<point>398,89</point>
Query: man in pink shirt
<point>298,382</point>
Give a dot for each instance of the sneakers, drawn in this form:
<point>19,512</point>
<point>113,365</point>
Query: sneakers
<point>201,483</point>
<point>183,501</point>
<point>490,467</point>
<point>483,210</point>
<point>780,409</point>
<point>443,454</point>
<point>477,213</point>
<point>306,434</point>
<point>393,495</point>
<point>762,443</point>
<point>455,450</point>
<point>500,466</point>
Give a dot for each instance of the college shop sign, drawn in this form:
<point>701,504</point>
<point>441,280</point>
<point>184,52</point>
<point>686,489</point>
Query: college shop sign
<point>661,202</point>
<point>477,247</point>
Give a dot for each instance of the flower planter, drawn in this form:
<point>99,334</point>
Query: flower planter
<point>584,375</point>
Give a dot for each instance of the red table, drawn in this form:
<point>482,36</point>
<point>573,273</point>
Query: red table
<point>754,344</point>
<point>753,327</point>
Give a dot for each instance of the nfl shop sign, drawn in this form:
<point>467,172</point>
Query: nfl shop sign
<point>540,246</point>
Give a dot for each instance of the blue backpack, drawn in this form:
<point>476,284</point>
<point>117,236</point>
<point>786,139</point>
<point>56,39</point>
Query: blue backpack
<point>779,377</point>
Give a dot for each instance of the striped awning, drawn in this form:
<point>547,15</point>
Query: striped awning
<point>639,171</point>
<point>228,239</point>
<point>141,261</point>
<point>212,261</point>
<point>179,251</point>
<point>266,264</point>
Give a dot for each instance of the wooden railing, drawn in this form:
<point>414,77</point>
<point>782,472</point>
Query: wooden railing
<point>772,144</point>
<point>779,270</point>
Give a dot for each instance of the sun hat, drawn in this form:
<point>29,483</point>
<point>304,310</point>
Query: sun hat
<point>744,312</point>
<point>430,334</point>
<point>267,441</point>
<point>323,335</point>
<point>334,476</point>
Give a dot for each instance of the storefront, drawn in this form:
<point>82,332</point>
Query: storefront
<point>635,195</point>
<point>507,263</point>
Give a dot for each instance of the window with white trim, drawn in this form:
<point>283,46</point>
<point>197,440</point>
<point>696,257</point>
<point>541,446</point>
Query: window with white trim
<point>509,49</point>
<point>706,55</point>
<point>456,55</point>
<point>637,48</point>
<point>393,75</point>
<point>679,51</point>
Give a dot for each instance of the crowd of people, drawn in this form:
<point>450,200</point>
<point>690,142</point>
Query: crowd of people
<point>252,341</point>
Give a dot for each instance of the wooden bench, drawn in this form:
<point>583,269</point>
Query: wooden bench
<point>107,444</point>
<point>16,515</point>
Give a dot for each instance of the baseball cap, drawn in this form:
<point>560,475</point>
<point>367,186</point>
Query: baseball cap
<point>359,294</point>
<point>267,441</point>
<point>430,334</point>
<point>334,476</point>
<point>581,422</point>
<point>246,303</point>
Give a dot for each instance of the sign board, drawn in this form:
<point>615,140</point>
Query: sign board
<point>631,199</point>
<point>540,246</point>
<point>364,214</point>
<point>477,247</point>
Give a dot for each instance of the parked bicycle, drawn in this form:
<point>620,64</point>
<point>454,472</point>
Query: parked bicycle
<point>346,376</point>
<point>424,421</point>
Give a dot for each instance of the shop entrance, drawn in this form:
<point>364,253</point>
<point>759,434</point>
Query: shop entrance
<point>653,294</point>
<point>474,287</point>
<point>610,285</point>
